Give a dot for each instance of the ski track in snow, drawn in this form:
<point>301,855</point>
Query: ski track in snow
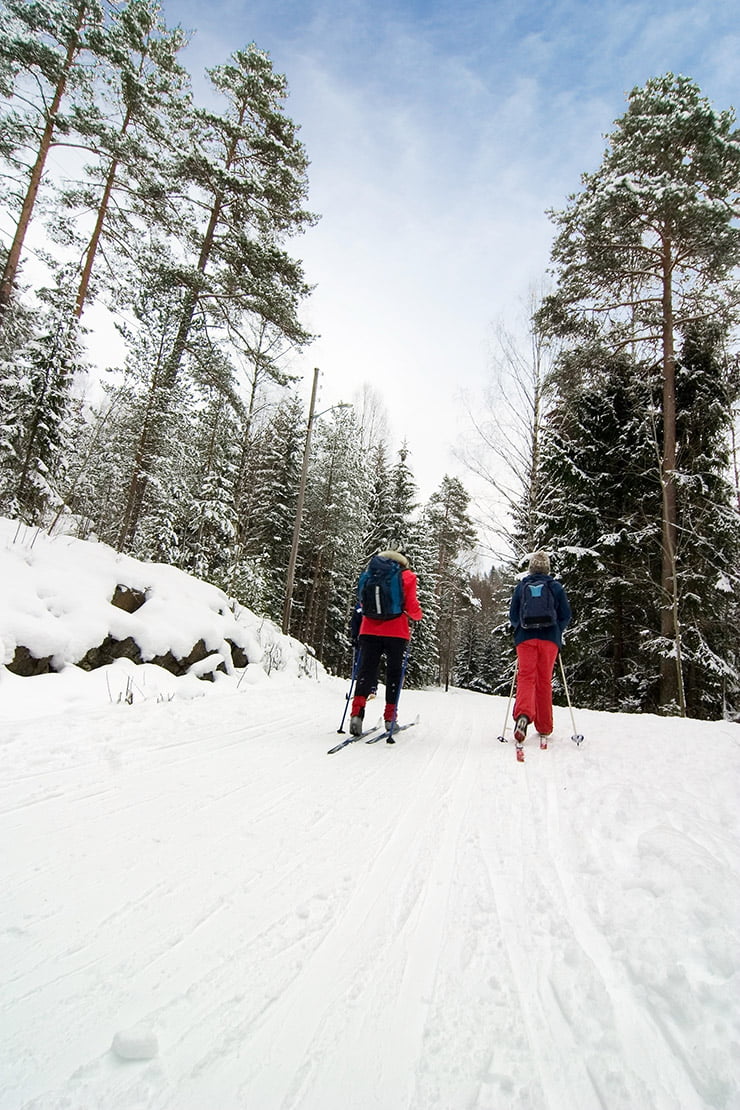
<point>428,926</point>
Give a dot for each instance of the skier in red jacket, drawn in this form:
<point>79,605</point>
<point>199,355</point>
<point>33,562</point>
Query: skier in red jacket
<point>389,637</point>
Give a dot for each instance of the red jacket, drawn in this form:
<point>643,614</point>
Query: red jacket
<point>397,626</point>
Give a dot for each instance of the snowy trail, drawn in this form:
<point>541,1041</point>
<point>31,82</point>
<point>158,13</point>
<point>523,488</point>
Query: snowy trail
<point>430,925</point>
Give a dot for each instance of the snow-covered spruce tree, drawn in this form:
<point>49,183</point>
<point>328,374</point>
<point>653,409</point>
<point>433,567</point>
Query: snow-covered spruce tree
<point>171,478</point>
<point>379,521</point>
<point>391,522</point>
<point>600,518</point>
<point>402,503</point>
<point>17,331</point>
<point>334,521</point>
<point>407,533</point>
<point>51,50</point>
<point>649,245</point>
<point>244,177</point>
<point>38,411</point>
<point>98,456</point>
<point>208,525</point>
<point>453,535</point>
<point>268,533</point>
<point>708,552</point>
<point>485,657</point>
<point>422,551</point>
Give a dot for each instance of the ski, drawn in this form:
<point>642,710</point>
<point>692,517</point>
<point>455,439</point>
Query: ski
<point>543,743</point>
<point>353,740</point>
<point>388,734</point>
<point>520,753</point>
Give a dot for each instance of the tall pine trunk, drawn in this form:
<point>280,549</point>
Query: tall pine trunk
<point>150,441</point>
<point>671,671</point>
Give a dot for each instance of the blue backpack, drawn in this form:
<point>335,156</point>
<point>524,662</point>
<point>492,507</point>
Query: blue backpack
<point>537,608</point>
<point>380,590</point>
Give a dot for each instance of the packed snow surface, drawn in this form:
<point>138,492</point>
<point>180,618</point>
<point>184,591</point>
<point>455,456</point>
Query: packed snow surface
<point>202,910</point>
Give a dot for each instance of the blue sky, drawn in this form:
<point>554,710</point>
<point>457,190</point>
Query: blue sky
<point>439,134</point>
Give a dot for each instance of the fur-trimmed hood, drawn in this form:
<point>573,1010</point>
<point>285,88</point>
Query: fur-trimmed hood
<point>396,556</point>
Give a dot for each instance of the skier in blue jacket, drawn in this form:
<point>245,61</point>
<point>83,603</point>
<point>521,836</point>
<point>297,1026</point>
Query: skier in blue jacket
<point>537,649</point>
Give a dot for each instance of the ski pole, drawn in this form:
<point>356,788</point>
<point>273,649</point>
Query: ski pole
<point>404,665</point>
<point>577,737</point>
<point>356,655</point>
<point>502,737</point>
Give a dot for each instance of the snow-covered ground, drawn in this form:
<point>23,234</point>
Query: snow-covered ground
<point>193,881</point>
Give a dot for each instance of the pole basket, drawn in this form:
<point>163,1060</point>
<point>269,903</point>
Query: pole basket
<point>577,738</point>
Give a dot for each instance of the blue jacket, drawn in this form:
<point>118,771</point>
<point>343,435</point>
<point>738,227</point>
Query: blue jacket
<point>555,632</point>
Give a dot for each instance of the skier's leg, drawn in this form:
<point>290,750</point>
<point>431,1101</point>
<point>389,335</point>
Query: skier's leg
<point>394,652</point>
<point>526,675</point>
<point>371,648</point>
<point>547,653</point>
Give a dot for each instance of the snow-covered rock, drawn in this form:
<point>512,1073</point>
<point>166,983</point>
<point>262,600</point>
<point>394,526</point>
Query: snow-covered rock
<point>138,1043</point>
<point>69,605</point>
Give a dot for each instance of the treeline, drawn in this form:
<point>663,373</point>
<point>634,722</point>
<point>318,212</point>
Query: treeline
<point>178,219</point>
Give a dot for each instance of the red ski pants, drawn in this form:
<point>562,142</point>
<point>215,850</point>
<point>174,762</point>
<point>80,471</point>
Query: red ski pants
<point>535,664</point>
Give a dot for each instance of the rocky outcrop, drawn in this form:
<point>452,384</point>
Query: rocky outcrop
<point>200,660</point>
<point>110,650</point>
<point>27,665</point>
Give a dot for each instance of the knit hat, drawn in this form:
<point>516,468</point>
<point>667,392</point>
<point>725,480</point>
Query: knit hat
<point>539,563</point>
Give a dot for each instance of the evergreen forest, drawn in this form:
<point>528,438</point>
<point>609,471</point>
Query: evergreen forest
<point>608,436</point>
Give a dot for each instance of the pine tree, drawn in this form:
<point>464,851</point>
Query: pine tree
<point>648,246</point>
<point>249,171</point>
<point>133,132</point>
<point>50,49</point>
